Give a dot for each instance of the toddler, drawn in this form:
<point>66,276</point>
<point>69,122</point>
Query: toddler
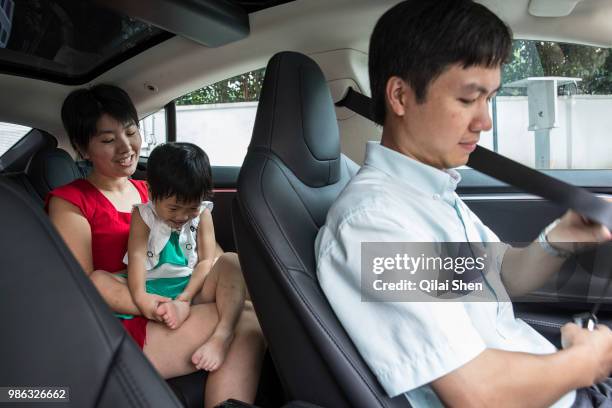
<point>172,251</point>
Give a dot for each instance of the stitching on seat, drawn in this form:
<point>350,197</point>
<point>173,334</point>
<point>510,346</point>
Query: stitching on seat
<point>542,323</point>
<point>275,218</point>
<point>128,381</point>
<point>246,211</point>
<point>270,158</point>
<point>115,363</point>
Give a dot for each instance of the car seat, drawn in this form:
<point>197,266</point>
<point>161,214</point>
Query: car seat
<point>291,175</point>
<point>51,168</point>
<point>57,330</point>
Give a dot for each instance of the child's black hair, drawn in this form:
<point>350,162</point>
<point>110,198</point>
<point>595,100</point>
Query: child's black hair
<point>179,169</point>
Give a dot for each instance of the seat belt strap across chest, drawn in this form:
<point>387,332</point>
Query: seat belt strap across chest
<point>515,174</point>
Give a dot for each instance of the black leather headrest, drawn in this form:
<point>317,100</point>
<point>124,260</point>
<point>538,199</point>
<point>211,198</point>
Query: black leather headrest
<point>51,168</point>
<point>295,97</point>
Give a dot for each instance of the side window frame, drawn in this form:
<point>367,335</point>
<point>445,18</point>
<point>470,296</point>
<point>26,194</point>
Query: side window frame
<point>596,180</point>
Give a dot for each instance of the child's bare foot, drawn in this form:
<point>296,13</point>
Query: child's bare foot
<point>210,355</point>
<point>173,313</point>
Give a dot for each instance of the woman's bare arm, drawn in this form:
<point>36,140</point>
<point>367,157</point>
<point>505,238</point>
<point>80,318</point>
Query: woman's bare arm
<point>74,230</point>
<point>76,233</point>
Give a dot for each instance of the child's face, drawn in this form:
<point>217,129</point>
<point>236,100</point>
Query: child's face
<point>176,213</point>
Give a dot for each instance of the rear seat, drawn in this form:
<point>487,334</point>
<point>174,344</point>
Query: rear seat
<point>51,168</point>
<point>48,168</point>
<point>22,183</point>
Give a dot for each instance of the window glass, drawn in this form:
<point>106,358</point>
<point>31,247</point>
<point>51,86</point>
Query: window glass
<point>68,41</point>
<point>220,117</point>
<point>555,108</point>
<point>152,131</point>
<point>11,134</point>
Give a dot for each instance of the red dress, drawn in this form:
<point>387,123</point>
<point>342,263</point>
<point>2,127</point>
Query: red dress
<point>110,230</point>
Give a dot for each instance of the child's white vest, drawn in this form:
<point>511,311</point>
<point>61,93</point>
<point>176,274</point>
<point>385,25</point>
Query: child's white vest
<point>159,235</point>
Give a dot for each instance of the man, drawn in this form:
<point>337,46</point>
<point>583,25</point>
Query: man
<point>434,66</point>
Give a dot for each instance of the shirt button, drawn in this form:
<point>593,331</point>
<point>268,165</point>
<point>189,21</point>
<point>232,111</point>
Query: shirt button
<point>436,196</point>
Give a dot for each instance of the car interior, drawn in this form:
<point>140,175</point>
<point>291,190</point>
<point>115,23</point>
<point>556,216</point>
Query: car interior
<point>296,152</point>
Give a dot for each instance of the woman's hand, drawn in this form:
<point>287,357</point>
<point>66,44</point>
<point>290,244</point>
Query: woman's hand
<point>148,303</point>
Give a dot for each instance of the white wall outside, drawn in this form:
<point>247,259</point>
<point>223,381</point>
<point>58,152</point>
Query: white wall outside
<point>582,141</point>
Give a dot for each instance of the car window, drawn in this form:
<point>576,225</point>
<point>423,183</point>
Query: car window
<point>555,108</point>
<point>152,131</point>
<point>68,41</point>
<point>11,134</point>
<point>220,117</point>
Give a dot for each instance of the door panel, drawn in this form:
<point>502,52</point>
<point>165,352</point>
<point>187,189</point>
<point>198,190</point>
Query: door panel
<point>518,218</point>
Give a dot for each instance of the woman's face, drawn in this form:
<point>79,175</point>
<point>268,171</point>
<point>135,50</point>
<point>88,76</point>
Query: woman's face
<point>115,148</point>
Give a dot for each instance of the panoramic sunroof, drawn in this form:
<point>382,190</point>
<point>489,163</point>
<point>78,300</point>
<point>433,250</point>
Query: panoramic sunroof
<point>73,41</point>
<point>68,41</point>
<point>250,6</point>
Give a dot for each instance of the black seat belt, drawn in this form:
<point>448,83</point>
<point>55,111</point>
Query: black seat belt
<point>527,179</point>
<point>515,174</point>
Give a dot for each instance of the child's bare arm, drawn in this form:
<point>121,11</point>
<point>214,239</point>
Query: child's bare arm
<point>137,250</point>
<point>206,248</point>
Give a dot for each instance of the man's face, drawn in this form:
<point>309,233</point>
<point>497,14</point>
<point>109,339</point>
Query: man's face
<point>444,129</point>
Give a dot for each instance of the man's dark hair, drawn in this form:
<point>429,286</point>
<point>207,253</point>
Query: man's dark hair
<point>179,169</point>
<point>82,109</point>
<point>417,40</point>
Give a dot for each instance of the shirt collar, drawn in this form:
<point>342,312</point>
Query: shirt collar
<point>428,179</point>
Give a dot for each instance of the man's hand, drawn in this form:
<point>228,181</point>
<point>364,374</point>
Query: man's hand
<point>148,303</point>
<point>574,229</point>
<point>596,346</point>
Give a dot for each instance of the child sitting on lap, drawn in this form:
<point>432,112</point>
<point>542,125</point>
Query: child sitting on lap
<point>172,250</point>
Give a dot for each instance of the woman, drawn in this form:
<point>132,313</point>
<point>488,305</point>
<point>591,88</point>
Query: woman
<point>93,215</point>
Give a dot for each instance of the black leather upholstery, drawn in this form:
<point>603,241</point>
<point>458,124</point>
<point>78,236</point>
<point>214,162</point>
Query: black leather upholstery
<point>291,175</point>
<point>50,168</point>
<point>57,330</point>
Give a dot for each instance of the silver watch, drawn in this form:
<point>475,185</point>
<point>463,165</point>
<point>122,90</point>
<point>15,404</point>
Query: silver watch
<point>548,248</point>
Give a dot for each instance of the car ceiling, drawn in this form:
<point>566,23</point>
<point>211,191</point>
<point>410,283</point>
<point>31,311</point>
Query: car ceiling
<point>178,65</point>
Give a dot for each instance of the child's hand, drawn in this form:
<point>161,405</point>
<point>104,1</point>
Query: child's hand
<point>148,304</point>
<point>184,297</point>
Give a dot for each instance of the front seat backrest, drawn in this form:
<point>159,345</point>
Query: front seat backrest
<point>57,330</point>
<point>291,175</point>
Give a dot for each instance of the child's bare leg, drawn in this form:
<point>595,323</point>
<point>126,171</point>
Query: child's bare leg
<point>174,313</point>
<point>224,285</point>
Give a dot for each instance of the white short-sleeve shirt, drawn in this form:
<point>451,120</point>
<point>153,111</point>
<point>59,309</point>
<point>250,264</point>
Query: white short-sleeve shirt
<point>407,345</point>
<point>159,235</point>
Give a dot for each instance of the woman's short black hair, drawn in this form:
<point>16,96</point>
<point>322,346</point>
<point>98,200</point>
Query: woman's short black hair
<point>83,107</point>
<point>417,40</point>
<point>179,169</point>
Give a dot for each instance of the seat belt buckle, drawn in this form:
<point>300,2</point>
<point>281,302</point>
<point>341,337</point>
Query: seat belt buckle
<point>586,320</point>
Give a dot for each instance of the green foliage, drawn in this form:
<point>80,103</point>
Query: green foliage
<point>542,58</point>
<point>241,88</point>
<point>529,59</point>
